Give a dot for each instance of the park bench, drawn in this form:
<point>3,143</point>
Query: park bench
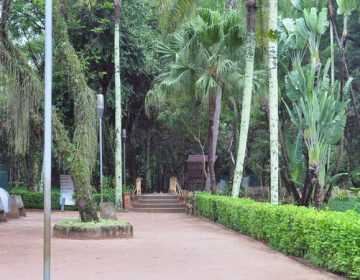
<point>2,212</point>
<point>20,205</point>
<point>16,207</point>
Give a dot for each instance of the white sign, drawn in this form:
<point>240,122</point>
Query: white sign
<point>67,189</point>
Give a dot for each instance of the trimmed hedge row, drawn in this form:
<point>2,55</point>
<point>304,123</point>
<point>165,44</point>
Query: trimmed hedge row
<point>35,200</point>
<point>328,239</point>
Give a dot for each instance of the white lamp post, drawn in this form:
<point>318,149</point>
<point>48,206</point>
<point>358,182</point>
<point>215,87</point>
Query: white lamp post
<point>100,111</point>
<point>124,141</point>
<point>47,138</point>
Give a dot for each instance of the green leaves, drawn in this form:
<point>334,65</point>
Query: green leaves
<point>300,5</point>
<point>322,22</point>
<point>211,28</point>
<point>311,19</point>
<point>201,56</point>
<point>346,6</point>
<point>316,23</point>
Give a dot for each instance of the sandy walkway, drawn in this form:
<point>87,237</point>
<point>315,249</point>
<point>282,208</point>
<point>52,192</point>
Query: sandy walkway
<point>165,247</point>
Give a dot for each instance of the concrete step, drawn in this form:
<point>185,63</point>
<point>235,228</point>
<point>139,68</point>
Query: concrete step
<point>157,201</point>
<point>162,205</point>
<point>160,210</point>
<point>158,196</point>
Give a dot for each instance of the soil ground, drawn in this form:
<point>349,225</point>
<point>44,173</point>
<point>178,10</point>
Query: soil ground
<point>164,247</point>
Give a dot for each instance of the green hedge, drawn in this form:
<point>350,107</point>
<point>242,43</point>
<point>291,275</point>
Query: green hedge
<point>35,200</point>
<point>328,239</point>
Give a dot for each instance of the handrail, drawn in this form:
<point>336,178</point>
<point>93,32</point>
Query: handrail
<point>178,187</point>
<point>137,187</point>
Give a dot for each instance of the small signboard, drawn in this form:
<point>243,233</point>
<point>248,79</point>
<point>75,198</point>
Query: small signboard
<point>67,190</point>
<point>4,180</point>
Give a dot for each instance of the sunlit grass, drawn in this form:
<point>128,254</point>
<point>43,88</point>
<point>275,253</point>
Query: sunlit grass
<point>101,223</point>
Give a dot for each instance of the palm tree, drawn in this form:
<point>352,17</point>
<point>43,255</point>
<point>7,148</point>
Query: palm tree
<point>320,117</point>
<point>118,156</point>
<point>273,102</point>
<point>248,87</point>
<point>314,105</point>
<point>172,13</point>
<point>199,59</point>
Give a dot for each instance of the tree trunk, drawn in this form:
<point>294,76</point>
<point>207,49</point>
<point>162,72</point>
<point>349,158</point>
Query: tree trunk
<point>214,122</point>
<point>148,166</point>
<point>246,105</point>
<point>290,186</point>
<point>80,153</point>
<point>5,13</point>
<point>317,194</point>
<point>273,102</point>
<point>118,156</point>
<point>79,171</point>
<point>308,185</point>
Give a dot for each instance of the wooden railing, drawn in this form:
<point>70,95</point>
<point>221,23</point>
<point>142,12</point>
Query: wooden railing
<point>175,186</point>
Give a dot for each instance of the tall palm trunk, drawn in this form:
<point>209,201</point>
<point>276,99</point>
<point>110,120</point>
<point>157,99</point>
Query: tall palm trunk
<point>245,114</point>
<point>273,102</point>
<point>332,81</point>
<point>118,158</point>
<point>214,122</point>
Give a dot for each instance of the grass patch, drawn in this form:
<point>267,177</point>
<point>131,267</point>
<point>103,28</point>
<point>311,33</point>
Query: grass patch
<point>101,223</point>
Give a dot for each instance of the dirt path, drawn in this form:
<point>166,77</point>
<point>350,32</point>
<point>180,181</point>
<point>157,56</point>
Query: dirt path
<point>165,247</point>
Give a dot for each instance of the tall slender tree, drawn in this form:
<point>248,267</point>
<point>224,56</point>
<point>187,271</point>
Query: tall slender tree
<point>273,102</point>
<point>118,117</point>
<point>248,87</point>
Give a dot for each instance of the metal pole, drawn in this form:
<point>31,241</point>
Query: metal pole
<point>101,161</point>
<point>47,137</point>
<point>124,163</point>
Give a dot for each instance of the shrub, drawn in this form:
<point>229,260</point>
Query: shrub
<point>328,239</point>
<point>35,200</point>
<point>343,205</point>
<point>108,195</point>
<point>355,177</point>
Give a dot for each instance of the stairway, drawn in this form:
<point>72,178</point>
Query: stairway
<point>158,203</point>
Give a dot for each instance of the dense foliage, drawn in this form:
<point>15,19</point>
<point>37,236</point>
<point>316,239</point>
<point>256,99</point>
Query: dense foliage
<point>158,143</point>
<point>328,239</point>
<point>182,90</point>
